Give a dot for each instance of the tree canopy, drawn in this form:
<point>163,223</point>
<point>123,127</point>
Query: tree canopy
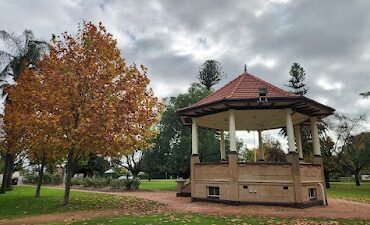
<point>91,100</point>
<point>210,73</point>
<point>172,149</point>
<point>23,52</point>
<point>296,81</point>
<point>356,154</point>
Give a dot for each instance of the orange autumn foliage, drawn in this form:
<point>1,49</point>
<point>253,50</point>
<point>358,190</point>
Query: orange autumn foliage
<point>27,127</point>
<point>86,99</point>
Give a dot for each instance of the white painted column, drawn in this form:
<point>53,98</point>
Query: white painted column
<point>298,141</point>
<point>232,131</point>
<point>315,137</point>
<point>290,130</point>
<point>260,146</point>
<point>222,146</point>
<point>194,137</point>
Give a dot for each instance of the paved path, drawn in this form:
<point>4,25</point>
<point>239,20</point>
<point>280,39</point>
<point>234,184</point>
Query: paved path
<point>337,208</point>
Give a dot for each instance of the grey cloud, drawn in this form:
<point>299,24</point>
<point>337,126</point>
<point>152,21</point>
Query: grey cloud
<point>173,38</point>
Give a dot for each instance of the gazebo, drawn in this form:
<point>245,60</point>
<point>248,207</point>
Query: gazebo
<point>251,104</point>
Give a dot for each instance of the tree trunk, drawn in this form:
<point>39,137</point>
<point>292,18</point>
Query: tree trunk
<point>41,177</point>
<point>9,182</point>
<point>70,165</point>
<point>357,178</point>
<point>327,178</point>
<point>5,174</point>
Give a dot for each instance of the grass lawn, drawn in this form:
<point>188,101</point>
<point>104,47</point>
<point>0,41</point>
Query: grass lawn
<point>21,202</point>
<point>350,191</point>
<point>164,185</point>
<point>182,219</point>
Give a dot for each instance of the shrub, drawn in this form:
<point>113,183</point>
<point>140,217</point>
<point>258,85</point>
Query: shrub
<point>117,184</point>
<point>49,178</point>
<point>132,184</point>
<point>143,176</point>
<point>52,178</point>
<point>78,180</point>
<point>136,183</point>
<point>95,182</point>
<point>30,178</point>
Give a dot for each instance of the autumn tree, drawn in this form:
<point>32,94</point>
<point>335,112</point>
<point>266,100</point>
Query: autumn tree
<point>22,51</point>
<point>101,105</point>
<point>210,73</point>
<point>29,128</point>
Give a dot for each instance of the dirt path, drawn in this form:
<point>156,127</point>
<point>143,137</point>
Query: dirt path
<point>337,208</point>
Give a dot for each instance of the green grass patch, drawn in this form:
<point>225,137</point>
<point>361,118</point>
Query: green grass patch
<point>350,191</point>
<point>164,185</point>
<point>21,202</point>
<point>179,218</point>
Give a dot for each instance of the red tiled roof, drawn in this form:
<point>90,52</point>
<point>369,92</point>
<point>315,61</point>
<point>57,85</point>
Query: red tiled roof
<point>244,86</point>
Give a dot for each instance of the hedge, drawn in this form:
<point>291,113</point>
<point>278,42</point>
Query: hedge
<point>48,178</point>
<point>98,182</point>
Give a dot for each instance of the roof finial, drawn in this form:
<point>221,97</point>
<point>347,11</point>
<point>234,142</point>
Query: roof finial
<point>245,67</point>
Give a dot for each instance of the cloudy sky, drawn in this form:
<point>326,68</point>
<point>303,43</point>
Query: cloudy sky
<point>330,39</point>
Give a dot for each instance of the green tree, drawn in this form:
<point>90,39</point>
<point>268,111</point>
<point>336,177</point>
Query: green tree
<point>1,164</point>
<point>330,159</point>
<point>296,82</point>
<point>273,151</point>
<point>210,73</point>
<point>172,149</point>
<point>131,162</point>
<point>174,140</point>
<point>153,161</point>
<point>356,154</point>
<point>91,165</point>
<point>342,128</point>
<point>247,155</point>
<point>22,51</point>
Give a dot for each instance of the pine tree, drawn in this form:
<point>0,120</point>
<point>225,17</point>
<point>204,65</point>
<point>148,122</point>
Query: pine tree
<point>210,73</point>
<point>298,75</point>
